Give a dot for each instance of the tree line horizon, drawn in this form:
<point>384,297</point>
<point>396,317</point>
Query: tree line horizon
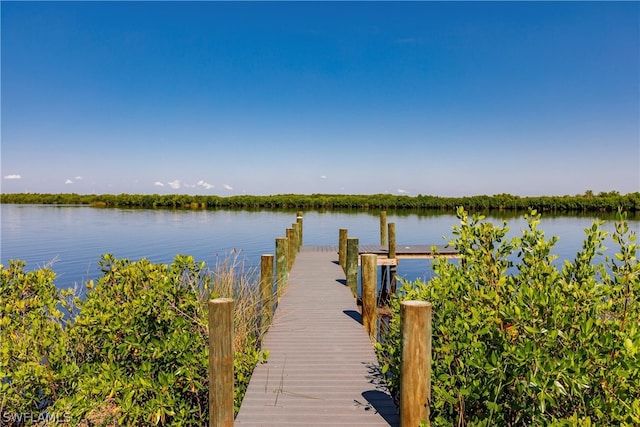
<point>587,202</point>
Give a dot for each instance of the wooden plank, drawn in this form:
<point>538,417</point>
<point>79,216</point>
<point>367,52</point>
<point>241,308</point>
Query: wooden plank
<point>386,261</point>
<point>402,252</point>
<point>322,369</point>
<point>410,250</point>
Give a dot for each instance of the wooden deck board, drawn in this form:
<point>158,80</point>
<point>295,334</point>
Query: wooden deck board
<point>322,369</point>
<point>410,251</point>
<point>405,251</point>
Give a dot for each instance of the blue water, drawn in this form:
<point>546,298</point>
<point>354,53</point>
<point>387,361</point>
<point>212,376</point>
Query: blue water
<point>72,238</point>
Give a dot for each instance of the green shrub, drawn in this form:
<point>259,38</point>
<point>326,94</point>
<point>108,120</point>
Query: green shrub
<point>134,352</point>
<point>140,344</point>
<point>603,202</point>
<point>31,339</point>
<point>517,341</point>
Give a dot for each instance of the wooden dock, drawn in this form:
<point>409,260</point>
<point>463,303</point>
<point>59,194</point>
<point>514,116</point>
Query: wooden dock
<point>322,369</point>
<point>417,251</point>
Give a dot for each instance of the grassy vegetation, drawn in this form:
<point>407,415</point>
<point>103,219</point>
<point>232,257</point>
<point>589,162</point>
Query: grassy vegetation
<point>587,202</point>
<point>133,352</point>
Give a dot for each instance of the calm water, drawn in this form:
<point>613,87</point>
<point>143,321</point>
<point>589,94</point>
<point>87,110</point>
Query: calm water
<point>73,238</point>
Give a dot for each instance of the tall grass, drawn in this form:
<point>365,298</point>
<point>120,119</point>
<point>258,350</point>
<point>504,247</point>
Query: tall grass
<point>233,278</point>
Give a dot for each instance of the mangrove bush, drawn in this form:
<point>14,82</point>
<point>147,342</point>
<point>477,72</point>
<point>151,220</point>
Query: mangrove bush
<point>519,341</point>
<point>133,352</point>
<point>588,202</point>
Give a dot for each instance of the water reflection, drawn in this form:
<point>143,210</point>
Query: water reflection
<point>75,237</point>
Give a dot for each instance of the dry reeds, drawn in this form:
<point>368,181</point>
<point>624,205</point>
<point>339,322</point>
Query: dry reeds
<point>233,278</point>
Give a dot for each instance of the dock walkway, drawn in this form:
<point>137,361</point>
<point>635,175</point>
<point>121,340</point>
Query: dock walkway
<point>322,369</point>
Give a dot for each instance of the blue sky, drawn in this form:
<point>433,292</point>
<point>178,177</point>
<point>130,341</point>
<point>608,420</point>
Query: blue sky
<point>442,98</point>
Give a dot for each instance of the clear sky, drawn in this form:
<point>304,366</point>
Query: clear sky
<point>442,98</point>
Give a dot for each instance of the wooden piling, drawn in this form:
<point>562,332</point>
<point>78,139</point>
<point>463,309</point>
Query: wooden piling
<point>297,234</point>
<point>369,285</point>
<point>299,221</point>
<point>392,240</point>
<point>352,264</point>
<point>342,249</point>
<point>383,228</point>
<point>291,238</point>
<point>415,368</point>
<point>221,362</point>
<point>266,291</point>
<point>392,254</point>
<point>282,263</point>
<point>383,298</point>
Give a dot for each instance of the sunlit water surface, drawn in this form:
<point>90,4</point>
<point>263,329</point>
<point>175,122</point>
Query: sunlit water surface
<point>73,238</point>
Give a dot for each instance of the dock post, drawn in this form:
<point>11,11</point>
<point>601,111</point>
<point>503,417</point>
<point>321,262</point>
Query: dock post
<point>342,249</point>
<point>369,284</point>
<point>292,248</point>
<point>383,228</point>
<point>392,255</point>
<point>282,264</point>
<point>266,291</point>
<point>296,239</point>
<point>383,298</point>
<point>299,221</point>
<point>415,367</point>
<point>352,264</point>
<point>221,362</point>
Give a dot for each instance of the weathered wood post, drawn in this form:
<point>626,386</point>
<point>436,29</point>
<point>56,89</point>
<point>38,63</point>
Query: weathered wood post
<point>352,264</point>
<point>266,291</point>
<point>282,264</point>
<point>384,290</point>
<point>292,247</point>
<point>221,362</point>
<point>296,233</point>
<point>369,283</point>
<point>342,249</point>
<point>383,228</point>
<point>392,255</point>
<point>299,221</point>
<point>292,234</point>
<point>415,367</point>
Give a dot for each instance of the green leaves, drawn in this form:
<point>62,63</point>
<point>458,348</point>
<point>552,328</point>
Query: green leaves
<point>31,324</point>
<point>607,201</point>
<point>518,342</point>
<point>134,353</point>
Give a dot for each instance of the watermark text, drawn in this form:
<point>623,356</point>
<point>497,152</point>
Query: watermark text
<point>28,418</point>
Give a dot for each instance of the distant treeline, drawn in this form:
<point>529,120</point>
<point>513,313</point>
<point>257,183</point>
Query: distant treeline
<point>588,202</point>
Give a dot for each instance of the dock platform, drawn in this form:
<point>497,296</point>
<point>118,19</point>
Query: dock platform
<point>322,369</point>
<point>410,251</point>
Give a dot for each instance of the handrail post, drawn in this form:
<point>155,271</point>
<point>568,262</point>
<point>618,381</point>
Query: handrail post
<point>352,264</point>
<point>392,255</point>
<point>291,249</point>
<point>266,291</point>
<point>369,284</point>
<point>296,235</point>
<point>299,221</point>
<point>221,362</point>
<point>282,264</point>
<point>342,249</point>
<point>415,367</point>
<point>383,228</point>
